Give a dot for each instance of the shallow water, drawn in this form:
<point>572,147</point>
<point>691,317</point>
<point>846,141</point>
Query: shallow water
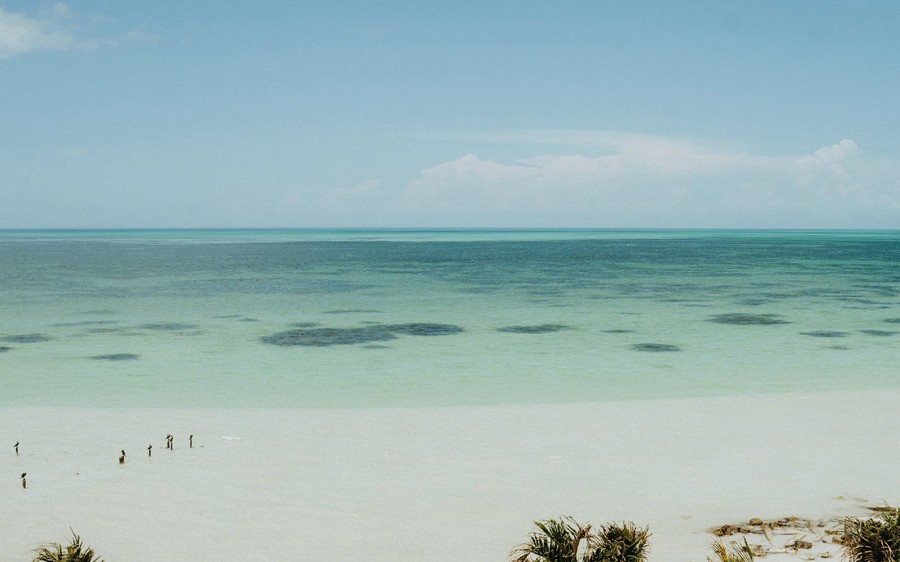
<point>393,317</point>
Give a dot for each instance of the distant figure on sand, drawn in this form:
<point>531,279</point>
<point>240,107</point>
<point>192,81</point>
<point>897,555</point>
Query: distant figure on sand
<point>17,447</point>
<point>122,458</point>
<point>169,440</point>
<point>191,441</point>
<point>149,450</point>
<point>24,485</point>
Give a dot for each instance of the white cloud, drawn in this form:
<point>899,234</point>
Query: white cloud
<point>655,181</point>
<point>828,164</point>
<point>54,30</point>
<point>609,179</point>
<point>20,34</point>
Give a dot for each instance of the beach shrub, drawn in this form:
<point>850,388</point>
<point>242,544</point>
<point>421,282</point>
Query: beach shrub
<point>75,551</point>
<point>873,540</point>
<point>566,540</point>
<point>736,552</point>
<point>556,540</point>
<point>621,543</point>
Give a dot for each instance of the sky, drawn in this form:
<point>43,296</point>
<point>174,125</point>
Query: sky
<point>593,114</point>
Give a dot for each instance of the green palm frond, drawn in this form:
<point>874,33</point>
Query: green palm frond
<point>621,543</point>
<point>556,540</point>
<point>75,551</point>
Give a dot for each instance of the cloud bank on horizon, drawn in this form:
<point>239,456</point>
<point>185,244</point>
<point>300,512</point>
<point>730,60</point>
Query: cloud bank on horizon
<point>293,115</point>
<point>641,180</point>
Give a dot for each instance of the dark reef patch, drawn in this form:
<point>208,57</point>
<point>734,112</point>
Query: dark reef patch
<point>892,320</point>
<point>825,334</point>
<point>26,338</point>
<point>423,329</point>
<point>478,290</point>
<point>82,323</point>
<point>116,357</point>
<point>98,312</point>
<point>4,348</point>
<point>353,311</point>
<point>121,331</point>
<point>880,333</point>
<point>533,329</point>
<point>618,331</point>
<point>655,347</point>
<point>838,347</point>
<point>375,346</point>
<point>744,319</point>
<point>304,324</point>
<point>754,302</point>
<point>237,317</point>
<point>167,326</point>
<point>325,337</point>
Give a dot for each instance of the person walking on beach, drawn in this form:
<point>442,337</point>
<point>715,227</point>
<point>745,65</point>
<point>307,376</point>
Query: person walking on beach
<point>149,450</point>
<point>17,448</point>
<point>122,458</point>
<point>24,485</point>
<point>191,441</point>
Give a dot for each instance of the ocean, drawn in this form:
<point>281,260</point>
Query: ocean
<point>396,318</point>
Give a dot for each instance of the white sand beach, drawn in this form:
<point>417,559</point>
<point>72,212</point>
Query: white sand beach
<point>437,484</point>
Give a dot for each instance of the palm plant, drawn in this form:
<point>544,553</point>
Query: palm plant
<point>554,541</point>
<point>873,540</point>
<point>566,540</point>
<point>75,551</point>
<point>621,543</point>
<point>737,553</point>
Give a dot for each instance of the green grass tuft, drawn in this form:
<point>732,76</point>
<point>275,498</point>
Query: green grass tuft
<point>873,540</point>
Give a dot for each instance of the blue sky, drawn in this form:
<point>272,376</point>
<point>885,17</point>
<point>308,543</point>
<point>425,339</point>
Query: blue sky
<point>451,114</point>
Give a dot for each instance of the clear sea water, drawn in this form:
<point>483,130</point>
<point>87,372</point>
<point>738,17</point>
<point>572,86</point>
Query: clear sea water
<point>426,318</point>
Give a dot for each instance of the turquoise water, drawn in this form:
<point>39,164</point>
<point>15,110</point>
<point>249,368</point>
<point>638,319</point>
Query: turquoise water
<point>352,318</point>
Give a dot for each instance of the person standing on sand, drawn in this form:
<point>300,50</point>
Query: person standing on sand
<point>24,485</point>
<point>122,458</point>
<point>191,441</point>
<point>17,448</point>
<point>149,450</point>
